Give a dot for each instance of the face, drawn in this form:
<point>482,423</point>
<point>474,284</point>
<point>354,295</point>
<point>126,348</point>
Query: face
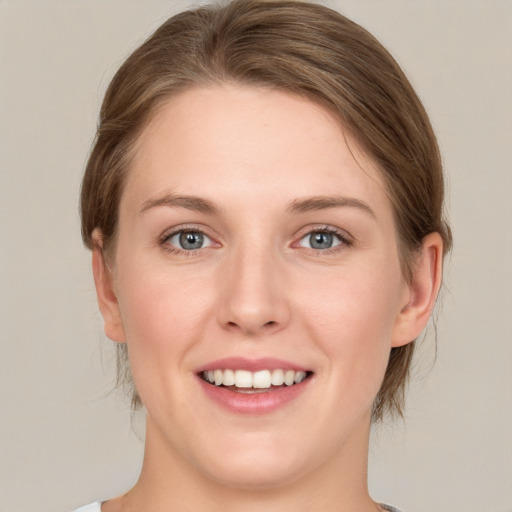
<point>254,251</point>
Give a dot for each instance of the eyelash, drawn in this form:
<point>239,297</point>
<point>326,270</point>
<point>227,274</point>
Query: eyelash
<point>164,241</point>
<point>345,240</point>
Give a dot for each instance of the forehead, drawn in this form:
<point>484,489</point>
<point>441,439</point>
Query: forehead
<point>232,140</point>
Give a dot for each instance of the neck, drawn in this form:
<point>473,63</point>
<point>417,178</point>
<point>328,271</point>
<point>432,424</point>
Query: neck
<point>168,481</point>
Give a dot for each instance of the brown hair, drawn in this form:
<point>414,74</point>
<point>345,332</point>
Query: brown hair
<point>301,48</point>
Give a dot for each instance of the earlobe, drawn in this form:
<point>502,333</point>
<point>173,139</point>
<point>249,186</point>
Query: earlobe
<point>422,292</point>
<point>107,299</point>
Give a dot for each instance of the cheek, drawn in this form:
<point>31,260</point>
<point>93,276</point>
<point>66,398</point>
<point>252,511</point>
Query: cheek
<point>162,313</point>
<point>163,318</point>
<point>352,318</point>
<point>357,304</point>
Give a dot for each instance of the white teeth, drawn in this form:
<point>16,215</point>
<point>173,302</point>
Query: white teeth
<point>243,379</point>
<point>289,377</point>
<point>262,379</point>
<point>277,378</point>
<point>299,377</point>
<point>228,378</point>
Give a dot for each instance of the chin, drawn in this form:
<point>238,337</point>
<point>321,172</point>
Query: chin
<point>257,475</point>
<point>254,462</point>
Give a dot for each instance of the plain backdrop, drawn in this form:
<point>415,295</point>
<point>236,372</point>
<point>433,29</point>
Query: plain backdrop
<point>64,439</point>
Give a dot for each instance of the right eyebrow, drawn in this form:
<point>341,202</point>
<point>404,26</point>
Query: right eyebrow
<point>194,203</point>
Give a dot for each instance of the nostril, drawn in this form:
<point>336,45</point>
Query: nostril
<point>266,325</point>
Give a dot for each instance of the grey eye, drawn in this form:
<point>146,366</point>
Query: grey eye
<point>189,240</point>
<point>320,240</point>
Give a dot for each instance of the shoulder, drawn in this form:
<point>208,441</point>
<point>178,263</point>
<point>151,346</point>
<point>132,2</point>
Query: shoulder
<point>93,507</point>
<point>96,507</point>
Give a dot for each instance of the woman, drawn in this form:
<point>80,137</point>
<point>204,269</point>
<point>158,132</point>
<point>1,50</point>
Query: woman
<point>263,203</point>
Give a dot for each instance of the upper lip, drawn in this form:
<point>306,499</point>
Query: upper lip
<point>252,365</point>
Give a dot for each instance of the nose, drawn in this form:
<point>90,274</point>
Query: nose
<point>254,294</point>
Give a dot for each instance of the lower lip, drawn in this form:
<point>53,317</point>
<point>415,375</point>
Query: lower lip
<point>253,403</point>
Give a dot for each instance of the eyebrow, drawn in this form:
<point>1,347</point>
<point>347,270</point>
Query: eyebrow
<point>194,203</point>
<point>305,205</point>
<point>325,202</point>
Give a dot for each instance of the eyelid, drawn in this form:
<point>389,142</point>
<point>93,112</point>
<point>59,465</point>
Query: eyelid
<point>163,240</point>
<point>206,239</point>
<point>346,239</point>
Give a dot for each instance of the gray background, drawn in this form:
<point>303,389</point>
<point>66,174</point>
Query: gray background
<point>64,440</point>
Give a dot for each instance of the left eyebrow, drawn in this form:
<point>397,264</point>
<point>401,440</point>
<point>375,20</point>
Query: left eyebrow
<point>315,203</point>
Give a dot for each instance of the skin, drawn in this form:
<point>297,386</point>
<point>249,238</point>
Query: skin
<point>256,289</point>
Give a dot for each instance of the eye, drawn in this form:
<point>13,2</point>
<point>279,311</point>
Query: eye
<point>188,240</point>
<point>322,239</point>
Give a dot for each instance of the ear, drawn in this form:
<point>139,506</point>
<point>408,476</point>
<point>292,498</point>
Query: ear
<point>421,292</point>
<point>107,300</point>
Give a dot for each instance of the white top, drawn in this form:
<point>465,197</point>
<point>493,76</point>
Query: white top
<point>389,508</point>
<point>96,507</point>
<point>93,507</point>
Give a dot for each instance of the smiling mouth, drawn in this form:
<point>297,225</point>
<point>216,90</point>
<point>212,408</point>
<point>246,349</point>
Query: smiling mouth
<point>244,381</point>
